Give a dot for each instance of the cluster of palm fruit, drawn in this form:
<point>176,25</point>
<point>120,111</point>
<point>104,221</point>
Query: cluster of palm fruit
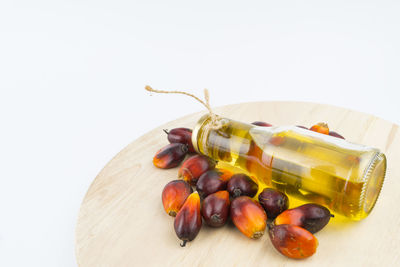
<point>222,195</point>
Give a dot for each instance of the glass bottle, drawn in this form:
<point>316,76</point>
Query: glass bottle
<point>313,167</point>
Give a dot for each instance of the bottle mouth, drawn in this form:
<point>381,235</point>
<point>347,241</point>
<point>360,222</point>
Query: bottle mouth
<point>196,129</point>
<point>373,177</point>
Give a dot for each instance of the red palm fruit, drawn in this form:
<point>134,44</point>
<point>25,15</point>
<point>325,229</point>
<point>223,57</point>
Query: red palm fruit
<point>277,140</point>
<point>181,135</point>
<point>273,201</point>
<point>193,167</point>
<point>224,174</point>
<point>248,216</point>
<point>170,156</point>
<point>353,159</point>
<point>210,182</point>
<point>215,209</point>
<point>259,163</point>
<point>174,195</point>
<point>187,222</point>
<point>293,241</point>
<point>312,217</point>
<point>320,128</point>
<point>300,126</point>
<point>335,134</point>
<point>261,123</point>
<point>241,185</point>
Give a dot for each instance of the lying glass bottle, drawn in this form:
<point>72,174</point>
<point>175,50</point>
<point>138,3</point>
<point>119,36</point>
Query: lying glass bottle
<point>313,167</point>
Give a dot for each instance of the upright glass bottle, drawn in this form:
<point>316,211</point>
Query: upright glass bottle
<point>310,166</point>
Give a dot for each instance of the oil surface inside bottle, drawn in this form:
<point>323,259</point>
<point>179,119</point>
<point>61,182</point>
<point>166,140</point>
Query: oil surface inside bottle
<point>296,162</point>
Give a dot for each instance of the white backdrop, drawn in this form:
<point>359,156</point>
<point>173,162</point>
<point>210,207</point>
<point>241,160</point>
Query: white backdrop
<point>72,75</point>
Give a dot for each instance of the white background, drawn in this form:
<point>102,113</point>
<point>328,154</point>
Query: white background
<point>72,75</point>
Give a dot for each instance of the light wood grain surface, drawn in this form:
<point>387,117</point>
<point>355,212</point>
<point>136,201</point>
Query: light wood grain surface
<point>122,221</point>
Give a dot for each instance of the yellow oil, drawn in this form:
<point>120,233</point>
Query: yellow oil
<point>305,165</point>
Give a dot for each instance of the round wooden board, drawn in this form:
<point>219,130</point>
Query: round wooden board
<point>122,221</point>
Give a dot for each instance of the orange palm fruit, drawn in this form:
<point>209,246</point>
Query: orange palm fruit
<point>248,216</point>
<point>320,128</point>
<point>193,167</point>
<point>312,217</point>
<point>188,222</point>
<point>170,156</point>
<point>293,241</point>
<point>174,195</point>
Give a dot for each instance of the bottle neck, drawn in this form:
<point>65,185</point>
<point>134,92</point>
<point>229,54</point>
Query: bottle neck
<point>201,129</point>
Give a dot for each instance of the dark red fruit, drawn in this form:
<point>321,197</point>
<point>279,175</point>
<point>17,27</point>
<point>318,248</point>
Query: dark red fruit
<point>335,134</point>
<point>273,201</point>
<point>262,124</point>
<point>187,222</point>
<point>170,156</point>
<point>210,182</point>
<point>181,135</point>
<point>242,185</point>
<point>300,126</point>
<point>293,241</point>
<point>215,208</point>
<point>193,167</point>
<point>312,217</point>
<point>174,195</point>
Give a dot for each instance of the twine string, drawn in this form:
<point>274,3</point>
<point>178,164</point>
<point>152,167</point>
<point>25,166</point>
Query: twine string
<point>215,121</point>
